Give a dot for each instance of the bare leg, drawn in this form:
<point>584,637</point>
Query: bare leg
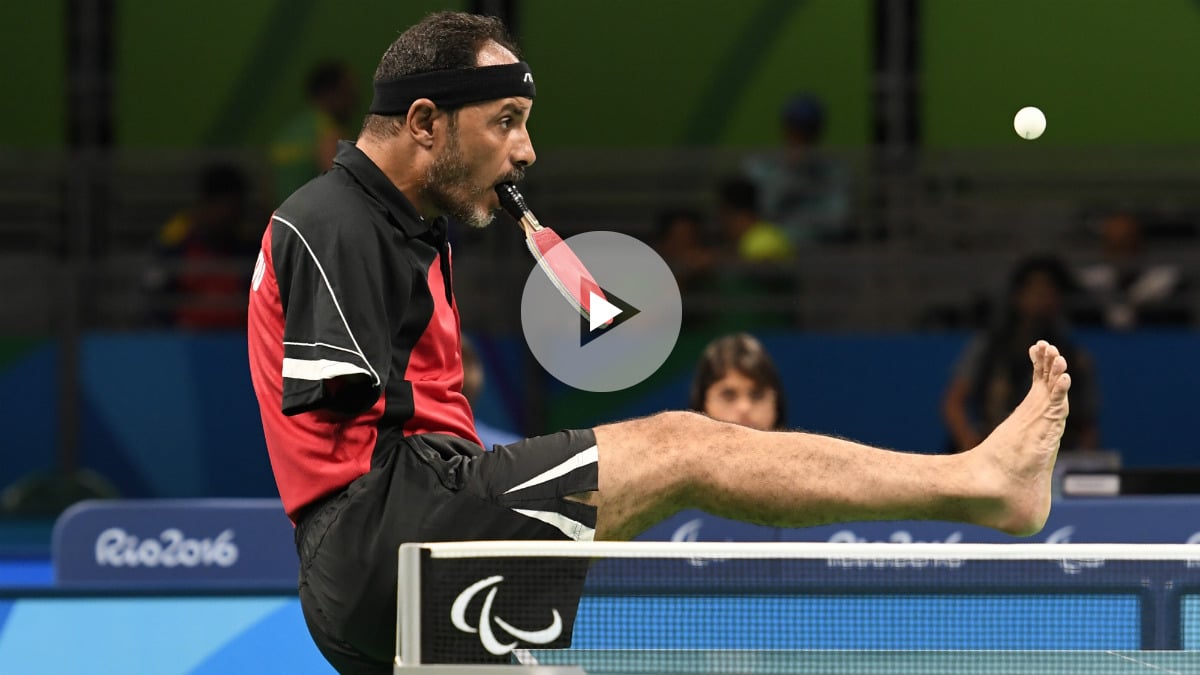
<point>655,466</point>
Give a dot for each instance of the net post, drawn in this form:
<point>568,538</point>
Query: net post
<point>408,606</point>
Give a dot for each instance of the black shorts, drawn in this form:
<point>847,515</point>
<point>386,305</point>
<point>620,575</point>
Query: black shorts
<point>431,488</point>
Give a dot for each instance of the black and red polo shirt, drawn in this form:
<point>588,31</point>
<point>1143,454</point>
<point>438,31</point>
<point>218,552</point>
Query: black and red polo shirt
<point>351,281</point>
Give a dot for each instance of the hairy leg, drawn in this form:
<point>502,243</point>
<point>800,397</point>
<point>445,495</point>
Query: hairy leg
<point>655,466</point>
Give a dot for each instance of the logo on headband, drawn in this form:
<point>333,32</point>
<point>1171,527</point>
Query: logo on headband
<point>487,635</point>
<point>529,78</point>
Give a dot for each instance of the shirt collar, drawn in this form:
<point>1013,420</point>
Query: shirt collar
<point>382,189</point>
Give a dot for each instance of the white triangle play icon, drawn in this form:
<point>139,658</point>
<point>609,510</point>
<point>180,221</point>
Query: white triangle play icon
<point>600,311</point>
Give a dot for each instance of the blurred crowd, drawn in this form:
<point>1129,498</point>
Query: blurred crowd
<point>204,254</point>
<point>740,250</point>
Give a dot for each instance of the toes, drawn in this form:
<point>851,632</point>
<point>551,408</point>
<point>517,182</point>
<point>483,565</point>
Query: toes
<point>1035,355</point>
<point>1049,357</point>
<point>1058,366</point>
<point>1061,386</point>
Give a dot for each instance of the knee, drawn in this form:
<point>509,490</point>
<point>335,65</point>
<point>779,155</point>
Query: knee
<point>676,438</point>
<point>675,426</point>
<point>681,434</point>
<point>663,436</point>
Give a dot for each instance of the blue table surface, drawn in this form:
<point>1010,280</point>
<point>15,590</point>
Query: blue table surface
<point>670,662</point>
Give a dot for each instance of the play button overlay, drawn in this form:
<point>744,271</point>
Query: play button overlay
<point>605,314</point>
<point>631,328</point>
<point>602,311</point>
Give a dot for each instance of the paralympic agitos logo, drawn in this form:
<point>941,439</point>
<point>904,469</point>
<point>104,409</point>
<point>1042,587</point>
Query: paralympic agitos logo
<point>487,635</point>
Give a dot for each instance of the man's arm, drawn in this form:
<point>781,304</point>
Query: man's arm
<point>336,321</point>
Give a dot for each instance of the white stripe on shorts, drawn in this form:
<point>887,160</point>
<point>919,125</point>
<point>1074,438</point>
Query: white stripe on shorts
<point>583,458</point>
<point>572,528</point>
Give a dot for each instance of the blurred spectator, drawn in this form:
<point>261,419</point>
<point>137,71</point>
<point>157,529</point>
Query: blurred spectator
<point>994,371</point>
<point>305,146</point>
<point>753,237</point>
<point>754,283</point>
<point>679,239</point>
<point>736,381</point>
<point>802,189</point>
<point>206,256</point>
<point>1129,290</point>
<point>473,380</point>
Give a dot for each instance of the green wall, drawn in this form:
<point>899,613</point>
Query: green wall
<point>624,73</point>
<point>627,73</point>
<point>33,70</point>
<point>229,72</point>
<point>1105,72</point>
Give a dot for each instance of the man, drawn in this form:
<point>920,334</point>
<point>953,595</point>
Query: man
<point>1129,289</point>
<point>203,253</point>
<point>805,191</point>
<point>306,144</point>
<point>354,354</point>
<point>754,238</point>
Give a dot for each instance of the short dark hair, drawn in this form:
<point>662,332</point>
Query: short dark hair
<point>1051,266</point>
<point>325,77</point>
<point>745,354</point>
<point>804,114</point>
<point>441,41</point>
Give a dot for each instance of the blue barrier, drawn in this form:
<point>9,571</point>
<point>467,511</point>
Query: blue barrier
<point>1133,520</point>
<point>173,426</point>
<point>187,543</point>
<point>248,542</point>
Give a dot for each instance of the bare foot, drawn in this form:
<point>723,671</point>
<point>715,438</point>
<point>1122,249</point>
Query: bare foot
<point>1015,462</point>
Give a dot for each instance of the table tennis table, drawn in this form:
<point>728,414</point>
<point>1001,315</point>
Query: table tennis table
<point>906,662</point>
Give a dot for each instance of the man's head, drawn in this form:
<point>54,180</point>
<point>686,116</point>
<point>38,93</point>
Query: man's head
<point>454,154</point>
<point>803,118</point>
<point>330,87</point>
<point>1122,235</point>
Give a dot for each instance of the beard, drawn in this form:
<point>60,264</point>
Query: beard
<point>450,187</point>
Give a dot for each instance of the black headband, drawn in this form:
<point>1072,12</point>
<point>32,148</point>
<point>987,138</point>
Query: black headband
<point>453,88</point>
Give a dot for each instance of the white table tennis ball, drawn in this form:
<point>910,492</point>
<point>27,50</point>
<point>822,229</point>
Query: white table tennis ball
<point>1029,123</point>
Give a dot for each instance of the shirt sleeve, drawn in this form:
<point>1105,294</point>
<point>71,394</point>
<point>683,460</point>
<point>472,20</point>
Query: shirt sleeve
<point>336,324</point>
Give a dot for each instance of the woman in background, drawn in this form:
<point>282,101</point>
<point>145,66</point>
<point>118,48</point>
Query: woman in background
<point>994,369</point>
<point>736,381</point>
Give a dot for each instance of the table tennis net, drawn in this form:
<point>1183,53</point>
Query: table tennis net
<point>802,608</point>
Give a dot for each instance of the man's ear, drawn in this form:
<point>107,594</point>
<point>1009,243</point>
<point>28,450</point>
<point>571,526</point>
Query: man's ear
<point>420,119</point>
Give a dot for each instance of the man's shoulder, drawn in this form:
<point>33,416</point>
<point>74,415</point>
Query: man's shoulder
<point>328,202</point>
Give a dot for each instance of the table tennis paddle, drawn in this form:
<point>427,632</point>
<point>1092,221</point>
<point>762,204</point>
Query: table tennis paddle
<point>556,259</point>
